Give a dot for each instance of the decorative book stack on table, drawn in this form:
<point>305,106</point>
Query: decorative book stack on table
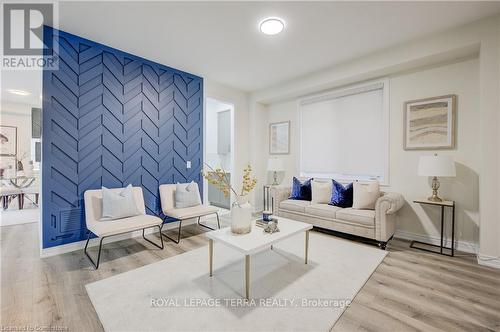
<point>443,249</point>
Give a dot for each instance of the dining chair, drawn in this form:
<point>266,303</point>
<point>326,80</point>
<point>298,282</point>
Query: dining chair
<point>7,193</point>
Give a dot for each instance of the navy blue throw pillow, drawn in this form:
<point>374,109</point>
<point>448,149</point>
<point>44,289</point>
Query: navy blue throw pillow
<point>301,190</point>
<point>341,196</point>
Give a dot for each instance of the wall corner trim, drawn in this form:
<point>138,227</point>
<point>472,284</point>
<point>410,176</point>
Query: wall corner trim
<point>490,261</point>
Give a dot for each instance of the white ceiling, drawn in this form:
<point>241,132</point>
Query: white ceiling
<point>221,40</point>
<point>26,80</point>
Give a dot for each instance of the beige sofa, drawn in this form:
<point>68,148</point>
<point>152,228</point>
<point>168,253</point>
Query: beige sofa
<point>378,224</point>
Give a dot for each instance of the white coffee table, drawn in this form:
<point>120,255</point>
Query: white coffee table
<point>256,241</point>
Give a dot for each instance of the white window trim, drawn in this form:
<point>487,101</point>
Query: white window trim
<point>384,84</point>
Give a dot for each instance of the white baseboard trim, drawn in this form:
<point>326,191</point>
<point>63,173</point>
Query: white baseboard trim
<point>487,260</point>
<point>65,248</point>
<point>464,246</point>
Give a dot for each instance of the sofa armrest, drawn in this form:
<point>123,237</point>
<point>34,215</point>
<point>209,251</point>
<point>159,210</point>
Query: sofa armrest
<point>389,203</point>
<point>278,195</point>
<point>385,215</point>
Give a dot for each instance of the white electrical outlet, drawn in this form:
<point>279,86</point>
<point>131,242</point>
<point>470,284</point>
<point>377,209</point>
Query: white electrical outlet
<point>188,164</point>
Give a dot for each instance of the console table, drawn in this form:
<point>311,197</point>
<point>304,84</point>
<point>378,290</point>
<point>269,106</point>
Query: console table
<point>442,205</point>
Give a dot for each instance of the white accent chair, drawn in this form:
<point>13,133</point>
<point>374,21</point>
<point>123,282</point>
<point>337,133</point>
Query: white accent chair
<point>103,229</point>
<point>167,197</point>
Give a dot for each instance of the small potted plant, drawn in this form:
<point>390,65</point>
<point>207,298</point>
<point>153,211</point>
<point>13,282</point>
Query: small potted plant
<point>241,210</point>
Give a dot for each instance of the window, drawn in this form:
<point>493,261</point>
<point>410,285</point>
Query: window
<point>36,152</point>
<point>36,134</point>
<point>344,134</point>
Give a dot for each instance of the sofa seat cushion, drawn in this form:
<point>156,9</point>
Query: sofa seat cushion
<point>322,210</point>
<point>294,205</point>
<point>364,217</point>
<point>190,212</point>
<point>118,226</point>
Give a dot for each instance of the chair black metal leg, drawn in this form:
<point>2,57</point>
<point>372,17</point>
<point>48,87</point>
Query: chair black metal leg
<point>178,234</point>
<point>96,265</point>
<point>213,229</point>
<point>161,237</point>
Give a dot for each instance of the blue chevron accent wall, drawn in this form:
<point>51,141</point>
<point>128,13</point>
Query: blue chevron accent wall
<point>109,119</point>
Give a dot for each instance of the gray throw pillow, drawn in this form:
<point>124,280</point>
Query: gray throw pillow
<point>118,205</point>
<point>187,195</point>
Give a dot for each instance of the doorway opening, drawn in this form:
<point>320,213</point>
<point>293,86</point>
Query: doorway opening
<point>20,150</point>
<point>219,148</point>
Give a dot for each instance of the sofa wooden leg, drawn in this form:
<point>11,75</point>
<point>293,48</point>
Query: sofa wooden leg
<point>36,198</point>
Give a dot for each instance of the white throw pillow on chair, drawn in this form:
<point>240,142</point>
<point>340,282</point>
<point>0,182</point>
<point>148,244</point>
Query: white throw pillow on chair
<point>365,195</point>
<point>321,192</point>
<point>118,205</point>
<point>187,195</point>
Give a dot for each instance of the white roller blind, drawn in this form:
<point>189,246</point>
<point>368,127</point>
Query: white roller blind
<point>343,134</point>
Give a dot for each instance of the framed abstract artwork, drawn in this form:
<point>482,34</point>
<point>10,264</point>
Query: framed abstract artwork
<point>8,140</point>
<point>430,124</point>
<point>279,138</point>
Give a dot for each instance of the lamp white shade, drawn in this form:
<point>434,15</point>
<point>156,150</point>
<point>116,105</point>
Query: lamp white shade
<point>275,164</point>
<point>442,166</point>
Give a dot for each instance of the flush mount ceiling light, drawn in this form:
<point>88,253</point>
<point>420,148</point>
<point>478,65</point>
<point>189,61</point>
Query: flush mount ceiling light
<point>271,25</point>
<point>18,92</point>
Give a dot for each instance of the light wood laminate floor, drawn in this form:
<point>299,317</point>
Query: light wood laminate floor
<point>411,290</point>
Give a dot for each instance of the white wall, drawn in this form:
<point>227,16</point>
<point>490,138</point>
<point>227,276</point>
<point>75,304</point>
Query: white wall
<point>489,191</point>
<point>241,151</point>
<point>476,40</point>
<point>258,148</point>
<point>285,111</point>
<point>19,115</point>
<point>213,158</point>
<point>498,127</point>
<point>464,188</point>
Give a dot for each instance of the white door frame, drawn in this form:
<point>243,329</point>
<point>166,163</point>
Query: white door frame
<point>231,170</point>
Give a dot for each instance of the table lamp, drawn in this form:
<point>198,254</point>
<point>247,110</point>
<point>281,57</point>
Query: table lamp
<point>275,165</point>
<point>434,166</point>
